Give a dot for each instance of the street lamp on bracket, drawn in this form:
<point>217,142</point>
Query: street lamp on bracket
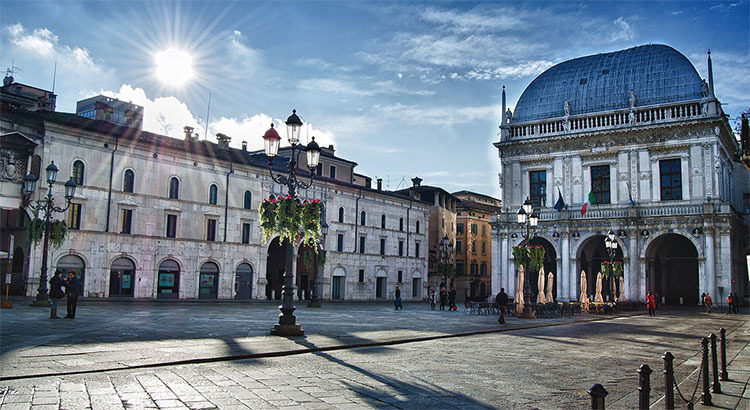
<point>528,220</point>
<point>287,325</point>
<point>611,244</point>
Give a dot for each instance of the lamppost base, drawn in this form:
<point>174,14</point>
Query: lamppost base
<point>313,303</point>
<point>6,304</point>
<point>40,303</point>
<point>527,313</point>
<point>287,330</point>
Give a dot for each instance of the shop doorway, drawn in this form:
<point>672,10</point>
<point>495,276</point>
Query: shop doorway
<point>122,278</point>
<point>243,285</point>
<point>169,280</point>
<point>70,263</point>
<point>208,286</point>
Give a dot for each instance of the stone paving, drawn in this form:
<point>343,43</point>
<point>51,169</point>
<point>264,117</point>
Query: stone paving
<point>548,365</point>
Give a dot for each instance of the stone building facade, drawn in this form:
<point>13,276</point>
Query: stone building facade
<point>159,217</point>
<point>643,135</point>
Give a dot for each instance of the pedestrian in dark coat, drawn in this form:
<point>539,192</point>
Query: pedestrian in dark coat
<point>736,303</point>
<point>452,299</point>
<point>72,290</point>
<point>502,301</point>
<point>432,298</point>
<point>55,293</point>
<point>443,298</point>
<point>703,301</point>
<point>397,300</point>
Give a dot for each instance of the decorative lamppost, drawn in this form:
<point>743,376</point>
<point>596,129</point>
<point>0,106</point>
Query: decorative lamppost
<point>445,248</point>
<point>611,244</point>
<point>528,221</point>
<point>324,230</point>
<point>47,207</point>
<point>287,325</point>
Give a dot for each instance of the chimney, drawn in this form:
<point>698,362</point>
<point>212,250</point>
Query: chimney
<point>380,184</point>
<point>223,140</point>
<point>416,181</point>
<point>188,132</point>
<point>244,145</point>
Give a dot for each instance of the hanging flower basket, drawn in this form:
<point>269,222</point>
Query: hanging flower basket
<point>534,253</point>
<point>57,232</point>
<point>614,269</point>
<point>291,218</point>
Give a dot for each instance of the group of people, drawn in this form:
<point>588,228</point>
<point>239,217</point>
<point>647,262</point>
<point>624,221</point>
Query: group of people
<point>72,287</point>
<point>447,298</point>
<point>733,303</point>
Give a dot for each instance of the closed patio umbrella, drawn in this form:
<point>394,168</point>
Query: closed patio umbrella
<point>540,298</point>
<point>584,292</point>
<point>550,282</point>
<point>519,292</point>
<point>598,296</point>
<point>622,289</point>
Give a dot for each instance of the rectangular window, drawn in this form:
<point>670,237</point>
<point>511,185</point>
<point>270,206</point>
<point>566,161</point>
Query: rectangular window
<point>473,268</point>
<point>211,230</point>
<point>459,268</point>
<point>400,248</point>
<point>474,229</point>
<point>484,247</point>
<point>416,250</point>
<point>459,246</point>
<point>473,246</point>
<point>484,230</point>
<point>74,216</point>
<point>340,243</point>
<point>400,276</point>
<point>460,228</point>
<point>483,269</point>
<point>600,183</point>
<point>538,188</point>
<point>361,244</point>
<point>171,226</point>
<point>245,233</point>
<point>332,172</point>
<point>361,275</point>
<point>671,180</point>
<point>382,246</point>
<point>127,221</point>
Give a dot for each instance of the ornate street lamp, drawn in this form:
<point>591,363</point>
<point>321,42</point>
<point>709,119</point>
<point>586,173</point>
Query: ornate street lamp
<point>321,246</point>
<point>611,244</point>
<point>287,325</point>
<point>47,207</point>
<point>528,220</point>
<point>445,249</point>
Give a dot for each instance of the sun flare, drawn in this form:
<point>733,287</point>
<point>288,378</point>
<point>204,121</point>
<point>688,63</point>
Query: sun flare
<point>174,67</point>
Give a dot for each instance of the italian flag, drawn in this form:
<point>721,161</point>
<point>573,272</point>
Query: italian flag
<point>589,200</point>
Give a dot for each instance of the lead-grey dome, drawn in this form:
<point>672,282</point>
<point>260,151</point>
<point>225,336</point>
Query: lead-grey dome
<point>657,74</point>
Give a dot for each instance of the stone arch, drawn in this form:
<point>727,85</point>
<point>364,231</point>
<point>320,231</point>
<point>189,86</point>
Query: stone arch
<point>590,252</point>
<point>163,291</point>
<point>672,269</point>
<point>687,235</point>
<point>81,273</point>
<point>121,280</point>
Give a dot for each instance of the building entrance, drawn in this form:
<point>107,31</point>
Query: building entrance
<point>672,270</point>
<point>275,269</point>
<point>72,263</point>
<point>243,285</point>
<point>122,278</point>
<point>593,253</point>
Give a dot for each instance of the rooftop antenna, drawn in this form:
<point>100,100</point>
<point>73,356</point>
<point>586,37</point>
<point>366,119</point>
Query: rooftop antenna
<point>54,77</point>
<point>208,112</point>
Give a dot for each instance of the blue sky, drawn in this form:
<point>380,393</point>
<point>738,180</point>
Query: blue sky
<point>403,88</point>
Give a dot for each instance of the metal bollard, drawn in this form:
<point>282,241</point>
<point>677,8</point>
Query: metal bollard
<point>668,380</point>
<point>715,387</point>
<point>597,394</point>
<point>723,345</point>
<point>706,395</point>
<point>644,386</point>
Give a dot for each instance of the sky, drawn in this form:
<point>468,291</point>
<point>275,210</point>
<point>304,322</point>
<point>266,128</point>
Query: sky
<point>403,89</point>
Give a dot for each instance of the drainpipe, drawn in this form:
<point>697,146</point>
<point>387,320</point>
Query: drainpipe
<point>356,221</point>
<point>111,171</point>
<point>226,200</point>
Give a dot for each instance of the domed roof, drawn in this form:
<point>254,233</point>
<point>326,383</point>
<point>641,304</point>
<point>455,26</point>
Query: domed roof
<point>656,73</point>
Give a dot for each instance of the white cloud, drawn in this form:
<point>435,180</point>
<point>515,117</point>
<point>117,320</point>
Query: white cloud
<point>622,31</point>
<point>443,116</point>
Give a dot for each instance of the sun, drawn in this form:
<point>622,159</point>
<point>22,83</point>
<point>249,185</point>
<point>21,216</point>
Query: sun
<point>174,67</point>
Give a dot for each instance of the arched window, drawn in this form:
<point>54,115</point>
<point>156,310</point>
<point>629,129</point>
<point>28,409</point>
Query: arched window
<point>382,221</point>
<point>401,224</point>
<point>362,218</point>
<point>341,214</point>
<point>417,226</point>
<point>213,194</point>
<point>77,173</point>
<point>128,181</point>
<point>174,188</point>
<point>248,200</point>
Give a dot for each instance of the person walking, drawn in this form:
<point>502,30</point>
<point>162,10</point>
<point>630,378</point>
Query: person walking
<point>443,298</point>
<point>452,299</point>
<point>432,298</point>
<point>730,303</point>
<point>736,301</point>
<point>651,304</point>
<point>709,302</point>
<point>55,293</point>
<point>703,301</point>
<point>397,300</point>
<point>72,290</point>
<point>502,301</point>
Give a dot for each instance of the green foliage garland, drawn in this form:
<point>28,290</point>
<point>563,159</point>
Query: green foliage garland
<point>535,253</point>
<point>57,232</point>
<point>611,269</point>
<point>309,259</point>
<point>290,218</point>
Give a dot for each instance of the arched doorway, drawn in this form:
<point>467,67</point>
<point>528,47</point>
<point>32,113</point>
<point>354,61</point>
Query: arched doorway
<point>69,263</point>
<point>550,265</point>
<point>243,285</point>
<point>208,286</point>
<point>672,270</point>
<point>275,269</point>
<point>169,280</point>
<point>338,283</point>
<point>591,255</point>
<point>305,271</point>
<point>122,278</point>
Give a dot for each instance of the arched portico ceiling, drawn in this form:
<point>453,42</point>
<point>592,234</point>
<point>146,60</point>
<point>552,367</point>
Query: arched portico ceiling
<point>673,242</point>
<point>591,238</point>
